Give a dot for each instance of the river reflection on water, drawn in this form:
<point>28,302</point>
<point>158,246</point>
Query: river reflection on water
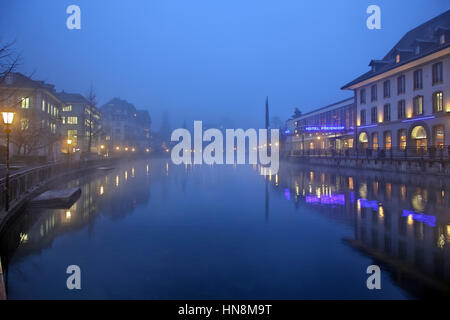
<point>152,230</point>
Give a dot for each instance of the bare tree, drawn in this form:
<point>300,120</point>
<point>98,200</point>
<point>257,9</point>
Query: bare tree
<point>94,131</point>
<point>9,60</point>
<point>32,134</point>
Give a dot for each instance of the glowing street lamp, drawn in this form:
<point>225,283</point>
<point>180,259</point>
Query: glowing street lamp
<point>8,118</point>
<point>69,143</point>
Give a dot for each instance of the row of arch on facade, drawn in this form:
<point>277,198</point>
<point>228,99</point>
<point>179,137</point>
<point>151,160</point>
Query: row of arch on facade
<point>418,136</point>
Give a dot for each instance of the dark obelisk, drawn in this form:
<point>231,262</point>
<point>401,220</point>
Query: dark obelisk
<point>266,204</point>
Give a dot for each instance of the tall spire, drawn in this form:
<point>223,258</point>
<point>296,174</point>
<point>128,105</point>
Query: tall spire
<point>267,112</point>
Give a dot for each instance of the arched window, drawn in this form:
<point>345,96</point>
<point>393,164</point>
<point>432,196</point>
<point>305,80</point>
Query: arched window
<point>419,136</point>
<point>363,139</point>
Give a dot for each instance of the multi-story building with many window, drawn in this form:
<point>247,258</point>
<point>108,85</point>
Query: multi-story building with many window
<point>403,102</point>
<point>36,128</point>
<point>327,128</point>
<point>125,127</point>
<point>80,121</point>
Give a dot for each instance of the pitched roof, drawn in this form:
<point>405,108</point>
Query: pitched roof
<point>19,80</point>
<point>426,36</point>
<point>72,97</point>
<point>117,105</point>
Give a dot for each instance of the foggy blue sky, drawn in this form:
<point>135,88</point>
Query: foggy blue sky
<point>208,59</point>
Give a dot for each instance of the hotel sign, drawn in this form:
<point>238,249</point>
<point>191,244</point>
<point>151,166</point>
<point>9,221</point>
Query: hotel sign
<point>324,128</point>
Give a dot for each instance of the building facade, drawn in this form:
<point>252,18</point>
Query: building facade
<point>35,131</point>
<point>324,129</point>
<point>80,122</point>
<point>125,127</point>
<point>403,102</point>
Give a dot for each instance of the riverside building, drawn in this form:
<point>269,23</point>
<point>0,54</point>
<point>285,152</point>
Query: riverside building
<point>324,129</point>
<point>403,102</point>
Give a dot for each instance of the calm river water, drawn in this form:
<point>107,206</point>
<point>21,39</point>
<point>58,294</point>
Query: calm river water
<point>151,230</point>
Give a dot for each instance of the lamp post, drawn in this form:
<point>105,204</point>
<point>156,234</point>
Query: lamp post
<point>8,118</point>
<point>69,143</point>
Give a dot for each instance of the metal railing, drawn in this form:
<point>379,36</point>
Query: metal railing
<point>395,153</point>
<point>25,181</point>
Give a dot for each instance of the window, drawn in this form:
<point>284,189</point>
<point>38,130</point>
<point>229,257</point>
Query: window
<point>402,139</point>
<point>418,105</point>
<point>387,112</point>
<point>437,73</point>
<point>438,136</point>
<point>373,115</point>
<point>363,117</point>
<point>417,49</point>
<point>373,93</point>
<point>25,103</point>
<point>442,39</point>
<point>418,79</point>
<point>43,105</point>
<point>387,140</point>
<point>24,124</point>
<point>362,96</point>
<point>63,120</point>
<point>438,101</point>
<point>401,84</point>
<point>67,108</point>
<point>401,110</point>
<point>397,58</point>
<point>73,134</point>
<point>387,88</point>
<point>375,141</point>
<point>72,120</point>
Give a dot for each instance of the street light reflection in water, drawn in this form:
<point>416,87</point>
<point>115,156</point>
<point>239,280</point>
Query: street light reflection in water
<point>220,232</point>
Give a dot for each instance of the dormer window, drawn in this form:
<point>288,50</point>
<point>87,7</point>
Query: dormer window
<point>397,58</point>
<point>9,79</point>
<point>442,39</point>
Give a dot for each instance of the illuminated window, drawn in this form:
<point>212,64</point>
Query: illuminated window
<point>402,139</point>
<point>67,108</point>
<point>442,39</point>
<point>73,135</point>
<point>438,136</point>
<point>25,103</point>
<point>43,105</point>
<point>397,58</point>
<point>418,105</point>
<point>24,124</point>
<point>387,140</point>
<point>375,141</point>
<point>72,120</point>
<point>438,101</point>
